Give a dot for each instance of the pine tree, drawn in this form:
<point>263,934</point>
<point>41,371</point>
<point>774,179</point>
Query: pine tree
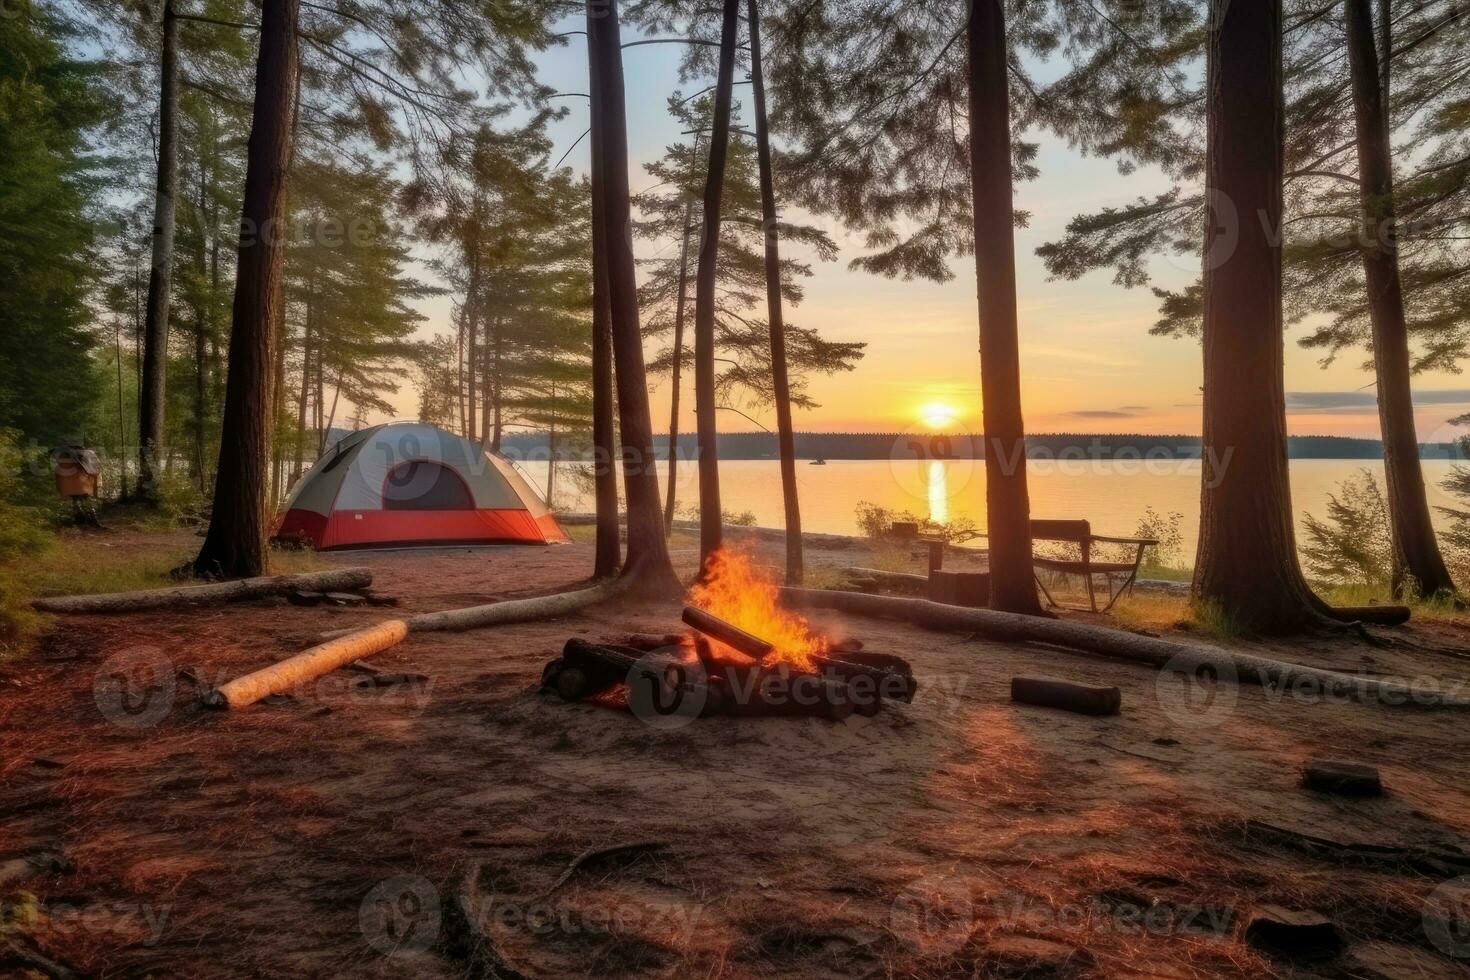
<point>647,564</point>
<point>235,544</point>
<point>896,115</point>
<point>49,188</point>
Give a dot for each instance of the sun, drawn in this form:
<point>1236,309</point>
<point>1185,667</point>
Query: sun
<point>938,415</point>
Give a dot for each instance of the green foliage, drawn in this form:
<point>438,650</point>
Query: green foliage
<point>742,332</point>
<point>1133,91</point>
<point>1168,555</point>
<point>877,522</point>
<point>1352,545</point>
<point>25,536</point>
<point>48,106</point>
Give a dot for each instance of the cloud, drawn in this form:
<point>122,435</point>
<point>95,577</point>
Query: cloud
<point>1134,408</point>
<point>1100,413</point>
<point>1364,402</point>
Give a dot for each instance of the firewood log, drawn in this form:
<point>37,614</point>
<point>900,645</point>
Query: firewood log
<point>1050,692</point>
<point>727,633</point>
<point>307,665</point>
<point>336,580</point>
<point>891,677</point>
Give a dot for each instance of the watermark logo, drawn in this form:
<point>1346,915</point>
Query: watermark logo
<point>1447,917</point>
<point>935,914</point>
<point>1196,693</point>
<point>135,688</point>
<point>665,695</point>
<point>401,914</point>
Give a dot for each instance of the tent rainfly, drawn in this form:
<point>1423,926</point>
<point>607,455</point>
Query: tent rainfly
<point>408,483</point>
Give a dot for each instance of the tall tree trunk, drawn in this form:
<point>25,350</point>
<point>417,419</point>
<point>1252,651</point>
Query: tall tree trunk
<point>1007,501</point>
<point>122,423</point>
<point>609,546</point>
<point>305,386</point>
<point>677,381</point>
<point>201,349</point>
<point>235,545</point>
<point>152,404</point>
<point>1246,565</point>
<point>711,529</point>
<point>551,450</point>
<point>1417,564</point>
<point>648,563</point>
<point>780,383</point>
<point>493,389</point>
<point>464,422</point>
<point>472,317</point>
<point>278,390</point>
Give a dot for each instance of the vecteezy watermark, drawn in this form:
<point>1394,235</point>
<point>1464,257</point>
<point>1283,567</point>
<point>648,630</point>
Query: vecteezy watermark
<point>1446,917</point>
<point>135,688</point>
<point>934,914</point>
<point>401,914</point>
<point>674,922</point>
<point>1197,693</point>
<point>71,923</point>
<point>667,695</point>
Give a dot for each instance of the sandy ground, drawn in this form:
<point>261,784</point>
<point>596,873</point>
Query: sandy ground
<point>960,836</point>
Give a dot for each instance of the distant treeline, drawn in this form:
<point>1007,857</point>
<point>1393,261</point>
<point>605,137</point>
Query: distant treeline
<point>902,445</point>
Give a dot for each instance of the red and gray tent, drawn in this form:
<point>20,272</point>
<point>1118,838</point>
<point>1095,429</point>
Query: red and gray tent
<point>408,483</point>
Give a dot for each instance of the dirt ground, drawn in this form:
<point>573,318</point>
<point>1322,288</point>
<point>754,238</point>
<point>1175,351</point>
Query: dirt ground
<point>331,833</point>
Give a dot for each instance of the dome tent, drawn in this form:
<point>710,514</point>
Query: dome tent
<point>410,483</point>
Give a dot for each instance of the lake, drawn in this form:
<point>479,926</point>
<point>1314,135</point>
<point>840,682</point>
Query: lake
<point>1112,494</point>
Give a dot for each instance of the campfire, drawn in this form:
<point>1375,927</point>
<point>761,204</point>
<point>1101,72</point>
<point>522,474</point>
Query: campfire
<point>742,655</point>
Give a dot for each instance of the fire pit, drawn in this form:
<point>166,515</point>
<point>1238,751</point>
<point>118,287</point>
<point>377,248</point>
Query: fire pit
<point>743,656</point>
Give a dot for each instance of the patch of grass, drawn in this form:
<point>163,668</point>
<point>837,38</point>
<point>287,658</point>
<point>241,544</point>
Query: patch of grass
<point>893,558</point>
<point>1150,610</point>
<point>1208,619</point>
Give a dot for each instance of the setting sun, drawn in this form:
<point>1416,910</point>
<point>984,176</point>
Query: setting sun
<point>938,415</point>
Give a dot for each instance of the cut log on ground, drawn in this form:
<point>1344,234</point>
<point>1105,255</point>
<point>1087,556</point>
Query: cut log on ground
<point>307,666</point>
<point>1051,692</point>
<point>1178,657</point>
<point>337,580</point>
<point>729,634</point>
<point>1377,615</point>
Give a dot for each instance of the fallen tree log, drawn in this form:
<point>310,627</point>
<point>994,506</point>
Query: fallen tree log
<point>1120,645</point>
<point>306,666</point>
<point>516,610</point>
<point>507,611</point>
<point>336,580</point>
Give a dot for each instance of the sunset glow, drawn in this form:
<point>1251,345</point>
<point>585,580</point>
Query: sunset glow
<point>938,415</point>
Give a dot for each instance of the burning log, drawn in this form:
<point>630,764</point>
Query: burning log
<point>730,635</point>
<point>758,690</point>
<point>889,677</point>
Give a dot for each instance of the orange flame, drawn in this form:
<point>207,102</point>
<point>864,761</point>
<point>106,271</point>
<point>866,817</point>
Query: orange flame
<point>741,593</point>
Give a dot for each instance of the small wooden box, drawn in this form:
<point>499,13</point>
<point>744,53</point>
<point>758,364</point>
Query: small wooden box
<point>960,588</point>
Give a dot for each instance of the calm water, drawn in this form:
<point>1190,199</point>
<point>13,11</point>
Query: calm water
<point>1111,494</point>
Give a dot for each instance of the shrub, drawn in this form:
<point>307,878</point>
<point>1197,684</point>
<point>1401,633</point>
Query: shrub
<point>1352,545</point>
<point>1168,554</point>
<point>876,522</point>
